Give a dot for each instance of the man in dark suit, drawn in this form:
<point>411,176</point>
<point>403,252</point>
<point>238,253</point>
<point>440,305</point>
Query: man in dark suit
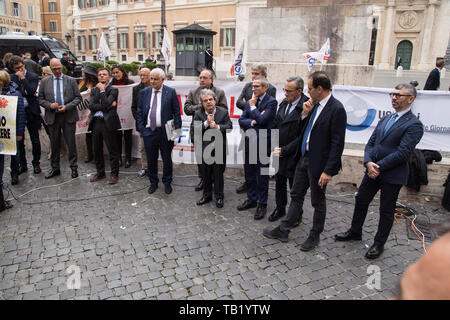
<point>193,103</point>
<point>28,83</point>
<point>209,58</point>
<point>386,159</point>
<point>144,75</point>
<point>156,106</point>
<point>318,158</point>
<point>287,121</point>
<point>43,59</point>
<point>68,63</point>
<point>104,123</point>
<point>434,78</point>
<point>258,70</point>
<point>59,95</point>
<point>211,121</point>
<point>256,121</point>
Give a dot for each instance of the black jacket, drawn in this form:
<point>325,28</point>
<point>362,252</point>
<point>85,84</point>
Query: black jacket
<point>433,80</point>
<point>135,101</point>
<point>418,174</point>
<point>28,87</point>
<point>102,101</point>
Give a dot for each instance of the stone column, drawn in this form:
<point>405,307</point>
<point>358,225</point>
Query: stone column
<point>387,36</point>
<point>427,61</point>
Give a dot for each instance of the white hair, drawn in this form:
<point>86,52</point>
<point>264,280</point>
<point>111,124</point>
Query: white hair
<point>159,72</point>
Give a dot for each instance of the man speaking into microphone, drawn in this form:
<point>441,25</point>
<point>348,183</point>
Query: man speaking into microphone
<point>386,158</point>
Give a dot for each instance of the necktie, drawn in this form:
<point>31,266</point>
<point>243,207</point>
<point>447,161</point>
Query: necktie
<point>390,123</point>
<point>58,91</point>
<point>288,110</point>
<point>153,112</point>
<point>308,128</point>
<point>257,102</point>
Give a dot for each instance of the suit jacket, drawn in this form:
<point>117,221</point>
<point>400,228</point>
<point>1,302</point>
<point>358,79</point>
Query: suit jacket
<point>194,101</point>
<point>433,80</point>
<point>28,87</point>
<point>170,109</point>
<point>134,102</point>
<point>72,98</point>
<point>264,115</point>
<point>101,101</point>
<point>393,150</point>
<point>289,135</point>
<point>33,66</point>
<point>12,90</point>
<point>221,118</point>
<point>326,140</point>
<point>247,93</point>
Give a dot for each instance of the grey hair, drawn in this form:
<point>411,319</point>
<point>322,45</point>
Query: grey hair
<point>410,89</point>
<point>207,92</point>
<point>299,83</point>
<point>159,72</point>
<point>264,81</point>
<point>211,74</point>
<point>261,68</point>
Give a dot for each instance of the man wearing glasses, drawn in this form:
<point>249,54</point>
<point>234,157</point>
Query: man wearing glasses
<point>59,95</point>
<point>386,158</point>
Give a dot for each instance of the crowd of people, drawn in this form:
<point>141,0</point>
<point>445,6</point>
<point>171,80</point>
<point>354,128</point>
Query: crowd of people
<point>311,130</point>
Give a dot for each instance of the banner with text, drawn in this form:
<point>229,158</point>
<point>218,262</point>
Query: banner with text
<point>8,111</point>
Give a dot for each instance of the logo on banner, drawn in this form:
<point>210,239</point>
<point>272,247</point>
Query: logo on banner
<point>359,115</point>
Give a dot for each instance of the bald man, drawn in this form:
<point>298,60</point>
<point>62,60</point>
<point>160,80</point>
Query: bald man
<point>429,277</point>
<point>59,95</point>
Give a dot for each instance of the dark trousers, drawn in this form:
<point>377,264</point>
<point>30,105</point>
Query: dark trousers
<point>281,190</point>
<point>89,147</point>
<point>68,130</point>
<point>33,125</point>
<point>257,183</point>
<point>100,134</point>
<point>303,180</point>
<point>14,166</point>
<point>153,145</point>
<point>388,199</point>
<point>213,175</point>
<point>128,137</point>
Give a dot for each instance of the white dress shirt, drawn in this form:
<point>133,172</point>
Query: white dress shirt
<point>158,108</point>
<point>322,105</point>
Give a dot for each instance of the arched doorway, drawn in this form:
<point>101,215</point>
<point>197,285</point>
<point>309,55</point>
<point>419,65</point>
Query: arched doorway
<point>404,50</point>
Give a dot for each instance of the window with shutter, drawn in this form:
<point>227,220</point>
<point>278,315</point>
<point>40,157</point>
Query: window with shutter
<point>79,43</point>
<point>90,42</point>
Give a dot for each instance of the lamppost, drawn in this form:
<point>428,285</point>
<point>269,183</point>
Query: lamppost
<point>161,61</point>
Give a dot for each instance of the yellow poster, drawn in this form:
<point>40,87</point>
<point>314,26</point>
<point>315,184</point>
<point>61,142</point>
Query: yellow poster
<point>8,108</point>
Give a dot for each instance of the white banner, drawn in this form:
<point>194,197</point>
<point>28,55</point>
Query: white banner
<point>365,106</point>
<point>8,125</point>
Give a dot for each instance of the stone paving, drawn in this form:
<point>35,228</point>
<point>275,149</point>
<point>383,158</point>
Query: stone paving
<point>128,244</point>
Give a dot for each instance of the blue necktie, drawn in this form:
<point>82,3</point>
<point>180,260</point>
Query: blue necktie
<point>390,123</point>
<point>153,112</point>
<point>58,92</point>
<point>308,129</point>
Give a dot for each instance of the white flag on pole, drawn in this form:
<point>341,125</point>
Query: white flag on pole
<point>103,50</point>
<point>321,56</point>
<point>238,67</point>
<point>166,48</point>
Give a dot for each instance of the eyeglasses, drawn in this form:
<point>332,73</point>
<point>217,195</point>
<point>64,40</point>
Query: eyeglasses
<point>289,91</point>
<point>398,95</point>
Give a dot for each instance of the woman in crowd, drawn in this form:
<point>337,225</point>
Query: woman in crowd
<point>9,88</point>
<point>89,74</point>
<point>120,78</point>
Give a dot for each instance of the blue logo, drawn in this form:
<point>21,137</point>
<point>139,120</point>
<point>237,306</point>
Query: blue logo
<point>359,116</point>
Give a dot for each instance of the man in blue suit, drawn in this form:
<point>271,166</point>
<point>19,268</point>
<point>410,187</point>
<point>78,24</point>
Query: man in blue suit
<point>434,78</point>
<point>318,157</point>
<point>386,160</point>
<point>157,105</point>
<point>256,121</point>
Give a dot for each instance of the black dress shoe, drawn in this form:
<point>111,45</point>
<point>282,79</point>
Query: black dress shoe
<point>23,168</point>
<point>242,188</point>
<point>247,205</point>
<point>74,173</point>
<point>311,242</point>
<point>374,251</point>
<point>347,236</point>
<point>168,189</point>
<point>14,180</point>
<point>200,185</point>
<point>127,163</point>
<point>277,214</point>
<point>37,169</point>
<point>276,234</point>
<point>219,203</point>
<point>152,188</point>
<point>260,213</point>
<point>52,173</point>
<point>204,200</point>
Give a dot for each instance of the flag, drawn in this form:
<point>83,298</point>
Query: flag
<point>166,48</point>
<point>103,50</point>
<point>238,67</point>
<point>322,56</point>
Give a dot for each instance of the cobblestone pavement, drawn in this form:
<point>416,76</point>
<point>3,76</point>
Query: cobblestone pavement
<point>128,244</point>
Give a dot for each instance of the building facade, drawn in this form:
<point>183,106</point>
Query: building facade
<point>132,28</point>
<point>20,16</point>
